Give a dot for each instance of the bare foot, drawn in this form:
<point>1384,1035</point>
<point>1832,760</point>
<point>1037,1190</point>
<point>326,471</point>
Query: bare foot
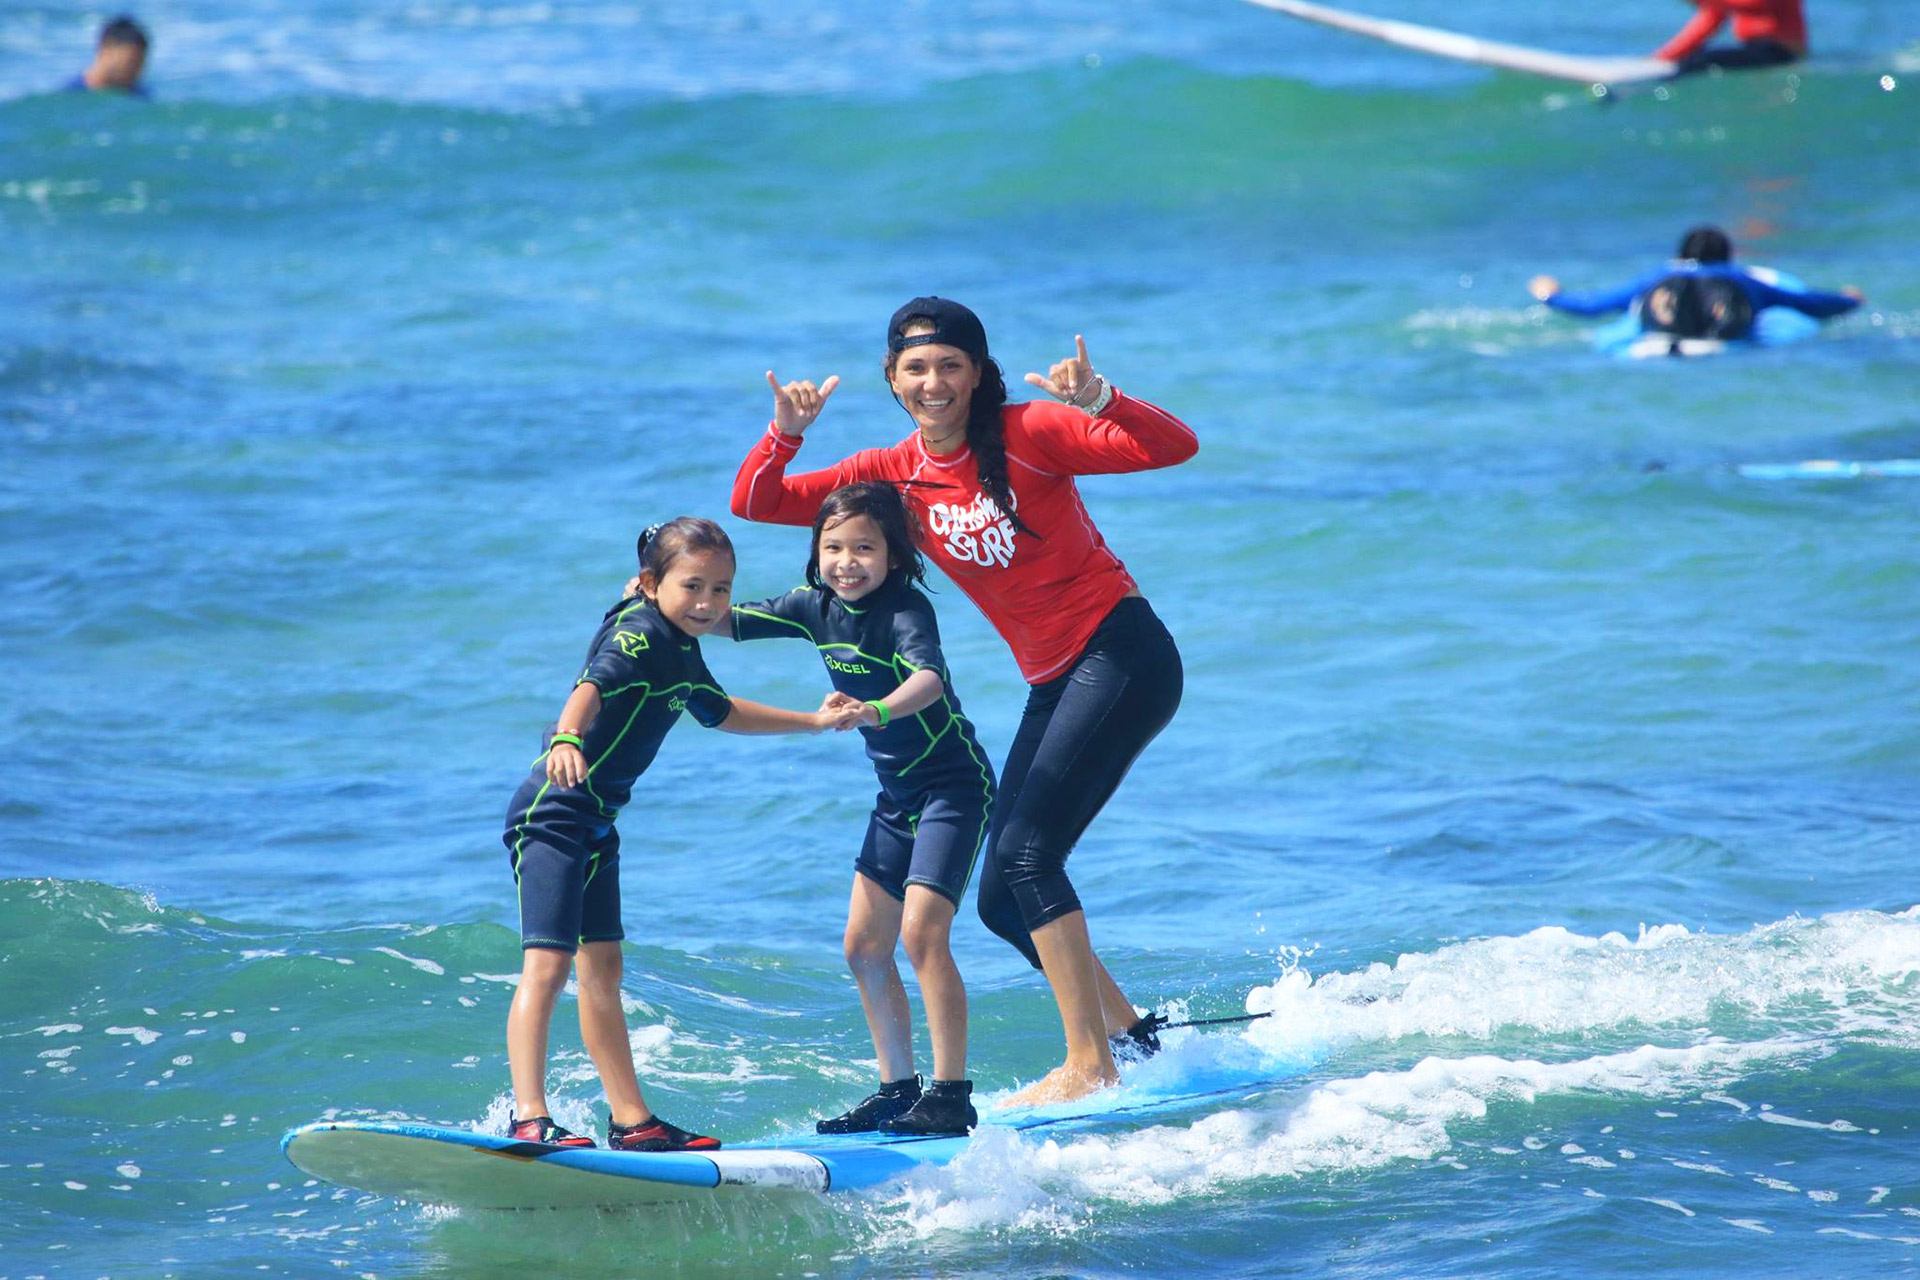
<point>1062,1084</point>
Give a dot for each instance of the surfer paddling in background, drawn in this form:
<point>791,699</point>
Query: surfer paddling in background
<point>1701,293</point>
<point>643,668</point>
<point>992,484</point>
<point>881,645</point>
<point>1771,33</point>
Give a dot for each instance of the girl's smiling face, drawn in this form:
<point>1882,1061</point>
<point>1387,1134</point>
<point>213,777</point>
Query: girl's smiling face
<point>853,557</point>
<point>695,594</point>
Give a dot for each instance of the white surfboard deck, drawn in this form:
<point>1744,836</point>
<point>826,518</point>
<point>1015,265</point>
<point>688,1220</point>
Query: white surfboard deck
<point>1579,69</point>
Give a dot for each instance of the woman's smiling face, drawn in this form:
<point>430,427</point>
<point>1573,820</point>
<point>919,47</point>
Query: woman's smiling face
<point>936,384</point>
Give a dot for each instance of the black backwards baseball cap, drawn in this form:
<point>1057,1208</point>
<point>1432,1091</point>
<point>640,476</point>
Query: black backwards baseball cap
<point>953,326</point>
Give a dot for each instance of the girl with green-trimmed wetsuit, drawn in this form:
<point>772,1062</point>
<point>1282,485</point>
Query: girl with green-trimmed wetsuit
<point>877,636</point>
<point>643,669</point>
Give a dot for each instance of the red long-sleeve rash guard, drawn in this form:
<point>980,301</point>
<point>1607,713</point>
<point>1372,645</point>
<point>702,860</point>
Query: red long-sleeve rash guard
<point>1045,595</point>
<point>1778,20</point>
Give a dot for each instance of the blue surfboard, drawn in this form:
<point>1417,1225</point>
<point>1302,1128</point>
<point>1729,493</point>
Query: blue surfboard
<point>428,1164</point>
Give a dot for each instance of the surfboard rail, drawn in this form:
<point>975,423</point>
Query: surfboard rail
<point>1578,68</point>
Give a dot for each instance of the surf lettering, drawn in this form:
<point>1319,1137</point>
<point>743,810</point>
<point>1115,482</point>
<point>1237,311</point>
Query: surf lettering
<point>979,533</point>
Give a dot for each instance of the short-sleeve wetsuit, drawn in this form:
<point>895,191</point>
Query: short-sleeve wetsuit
<point>561,840</point>
<point>931,816</point>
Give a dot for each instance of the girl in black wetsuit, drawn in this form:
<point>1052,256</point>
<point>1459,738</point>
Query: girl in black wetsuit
<point>881,646</point>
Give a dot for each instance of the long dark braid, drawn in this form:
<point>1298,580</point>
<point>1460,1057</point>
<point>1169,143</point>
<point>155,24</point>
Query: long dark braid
<point>986,436</point>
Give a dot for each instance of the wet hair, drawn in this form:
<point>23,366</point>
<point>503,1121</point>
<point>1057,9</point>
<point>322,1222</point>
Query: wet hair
<point>881,503</point>
<point>661,544</point>
<point>985,435</point>
<point>124,30</point>
<point>1706,244</point>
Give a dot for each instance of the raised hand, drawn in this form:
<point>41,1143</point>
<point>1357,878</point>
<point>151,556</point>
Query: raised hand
<point>797,404</point>
<point>1543,287</point>
<point>1070,379</point>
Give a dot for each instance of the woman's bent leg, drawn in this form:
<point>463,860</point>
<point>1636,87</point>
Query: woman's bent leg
<point>1066,954</point>
<point>1080,736</point>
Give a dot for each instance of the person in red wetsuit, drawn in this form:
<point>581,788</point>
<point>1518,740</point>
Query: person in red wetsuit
<point>991,485</point>
<point>1771,33</point>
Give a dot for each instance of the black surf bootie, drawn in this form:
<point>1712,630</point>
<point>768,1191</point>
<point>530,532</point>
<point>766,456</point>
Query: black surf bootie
<point>1139,1041</point>
<point>875,1109</point>
<point>946,1107</point>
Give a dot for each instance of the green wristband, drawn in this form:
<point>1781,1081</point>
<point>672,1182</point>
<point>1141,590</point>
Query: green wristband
<point>880,709</point>
<point>571,739</point>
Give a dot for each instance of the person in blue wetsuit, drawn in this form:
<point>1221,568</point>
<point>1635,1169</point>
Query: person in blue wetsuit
<point>1701,294</point>
<point>119,58</point>
<point>881,646</point>
<point>643,669</point>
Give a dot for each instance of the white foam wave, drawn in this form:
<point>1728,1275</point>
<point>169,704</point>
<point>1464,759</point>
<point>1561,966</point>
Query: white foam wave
<point>1784,992</point>
<point>1846,975</point>
<point>1344,1126</point>
<point>418,962</point>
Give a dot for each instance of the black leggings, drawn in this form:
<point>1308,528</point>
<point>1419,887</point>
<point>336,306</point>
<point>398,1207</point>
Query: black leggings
<point>1739,57</point>
<point>1080,734</point>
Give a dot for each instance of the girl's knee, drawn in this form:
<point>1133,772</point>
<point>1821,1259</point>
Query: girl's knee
<point>866,953</point>
<point>545,968</point>
<point>599,966</point>
<point>927,942</point>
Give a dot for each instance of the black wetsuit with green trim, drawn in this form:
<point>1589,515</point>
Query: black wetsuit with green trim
<point>564,849</point>
<point>936,787</point>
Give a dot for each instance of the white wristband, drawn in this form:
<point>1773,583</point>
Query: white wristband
<point>1101,397</point>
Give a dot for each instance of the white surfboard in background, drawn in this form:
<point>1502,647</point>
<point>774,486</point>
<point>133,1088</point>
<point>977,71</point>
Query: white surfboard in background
<point>1490,53</point>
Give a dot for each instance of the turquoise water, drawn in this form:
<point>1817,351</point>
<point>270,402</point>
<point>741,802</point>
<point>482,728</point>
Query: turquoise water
<point>1554,783</point>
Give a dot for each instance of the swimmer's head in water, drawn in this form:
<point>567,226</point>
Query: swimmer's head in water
<point>1706,244</point>
<point>120,56</point>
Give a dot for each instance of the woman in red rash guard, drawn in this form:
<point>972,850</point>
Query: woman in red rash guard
<point>992,486</point>
<point>1771,33</point>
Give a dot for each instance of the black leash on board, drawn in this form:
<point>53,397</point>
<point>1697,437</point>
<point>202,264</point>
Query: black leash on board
<point>1159,1025</point>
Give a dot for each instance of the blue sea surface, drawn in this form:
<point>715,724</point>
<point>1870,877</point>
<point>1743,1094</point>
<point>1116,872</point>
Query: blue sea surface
<point>1551,782</point>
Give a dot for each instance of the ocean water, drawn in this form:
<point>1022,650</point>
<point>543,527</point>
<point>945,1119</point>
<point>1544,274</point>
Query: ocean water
<point>1553,784</point>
